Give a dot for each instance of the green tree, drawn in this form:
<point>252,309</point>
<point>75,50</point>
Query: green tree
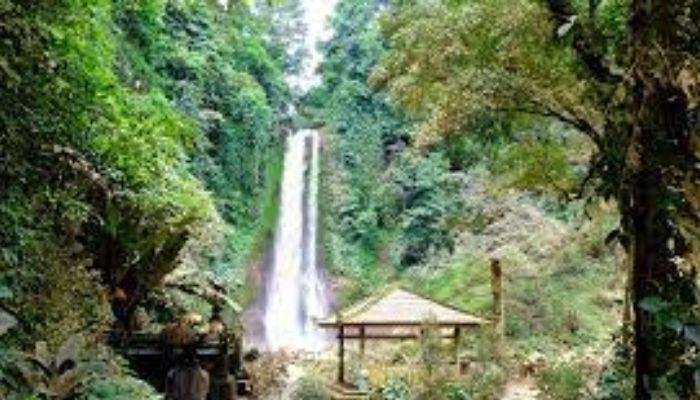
<point>367,132</point>
<point>623,74</point>
<point>136,138</point>
<point>658,196</point>
<point>426,206</point>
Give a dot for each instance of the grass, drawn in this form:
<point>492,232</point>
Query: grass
<point>564,300</point>
<point>465,284</point>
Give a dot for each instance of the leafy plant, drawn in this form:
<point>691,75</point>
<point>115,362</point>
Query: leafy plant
<point>395,389</point>
<point>309,388</point>
<point>563,381</point>
<point>7,320</point>
<point>426,206</point>
<point>57,376</point>
<point>456,392</point>
<point>616,381</point>
<point>118,388</point>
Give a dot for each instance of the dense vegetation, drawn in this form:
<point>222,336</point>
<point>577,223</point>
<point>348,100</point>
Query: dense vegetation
<point>433,216</point>
<point>596,67</point>
<point>461,131</point>
<point>138,138</point>
<point>141,151</point>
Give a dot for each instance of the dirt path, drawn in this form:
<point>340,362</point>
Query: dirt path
<point>521,389</point>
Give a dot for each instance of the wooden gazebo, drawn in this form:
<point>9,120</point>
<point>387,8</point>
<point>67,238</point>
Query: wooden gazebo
<point>395,314</point>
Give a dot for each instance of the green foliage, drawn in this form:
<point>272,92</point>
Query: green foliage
<point>563,381</point>
<point>68,371</point>
<point>448,283</point>
<point>617,379</point>
<point>604,69</point>
<point>432,376</point>
<point>54,296</point>
<point>493,184</point>
<point>464,64</point>
<point>74,370</point>
<point>425,372</point>
<point>395,389</point>
<point>119,388</point>
<point>288,31</point>
<point>137,137</point>
<point>485,385</point>
<point>425,206</point>
<point>310,388</point>
<point>56,376</point>
<point>386,205</point>
<point>549,160</point>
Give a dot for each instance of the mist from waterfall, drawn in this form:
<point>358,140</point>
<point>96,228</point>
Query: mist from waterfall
<point>296,293</point>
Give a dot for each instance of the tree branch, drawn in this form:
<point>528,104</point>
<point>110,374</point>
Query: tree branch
<point>562,12</point>
<point>546,111</point>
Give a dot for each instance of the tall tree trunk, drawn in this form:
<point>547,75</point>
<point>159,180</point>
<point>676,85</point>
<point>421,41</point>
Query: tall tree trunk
<point>659,160</point>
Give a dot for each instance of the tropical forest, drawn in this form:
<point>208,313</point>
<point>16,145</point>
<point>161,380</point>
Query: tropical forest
<point>349,199</point>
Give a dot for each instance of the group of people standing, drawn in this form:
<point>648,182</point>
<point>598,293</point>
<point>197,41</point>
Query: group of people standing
<point>188,379</point>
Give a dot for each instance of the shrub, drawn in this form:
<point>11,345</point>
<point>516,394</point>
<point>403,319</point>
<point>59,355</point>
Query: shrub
<point>616,381</point>
<point>309,388</point>
<point>431,374</point>
<point>395,389</point>
<point>54,295</point>
<point>267,375</point>
<point>76,370</point>
<point>561,382</point>
<point>55,375</point>
<point>456,392</point>
<point>485,385</point>
<point>119,388</point>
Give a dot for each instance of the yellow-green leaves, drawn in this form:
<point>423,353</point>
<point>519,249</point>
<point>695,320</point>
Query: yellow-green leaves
<point>451,62</point>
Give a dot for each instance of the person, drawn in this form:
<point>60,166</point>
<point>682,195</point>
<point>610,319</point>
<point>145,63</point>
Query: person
<point>119,303</point>
<point>216,328</point>
<point>188,380</point>
<point>179,333</point>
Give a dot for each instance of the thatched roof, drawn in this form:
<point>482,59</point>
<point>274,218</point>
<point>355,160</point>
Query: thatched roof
<point>398,307</point>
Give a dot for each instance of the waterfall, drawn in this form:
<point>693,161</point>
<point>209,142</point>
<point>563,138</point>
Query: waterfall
<point>295,291</point>
<point>292,289</point>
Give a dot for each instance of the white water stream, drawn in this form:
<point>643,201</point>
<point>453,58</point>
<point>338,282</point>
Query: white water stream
<point>296,293</point>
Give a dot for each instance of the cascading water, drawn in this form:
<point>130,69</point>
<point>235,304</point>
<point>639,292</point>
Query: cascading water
<point>295,291</point>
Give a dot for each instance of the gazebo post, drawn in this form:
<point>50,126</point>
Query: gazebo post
<point>457,335</point>
<point>341,353</point>
<point>362,344</point>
